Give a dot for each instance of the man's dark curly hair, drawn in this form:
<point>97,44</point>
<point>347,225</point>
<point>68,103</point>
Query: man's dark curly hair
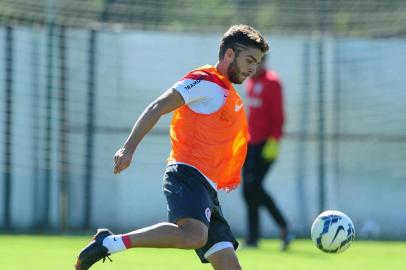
<point>240,37</point>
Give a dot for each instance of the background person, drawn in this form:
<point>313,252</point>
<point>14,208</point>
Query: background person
<point>265,121</point>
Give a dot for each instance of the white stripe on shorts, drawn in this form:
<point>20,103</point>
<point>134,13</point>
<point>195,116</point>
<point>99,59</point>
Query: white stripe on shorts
<point>217,247</point>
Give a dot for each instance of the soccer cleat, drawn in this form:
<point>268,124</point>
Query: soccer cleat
<point>94,251</point>
<point>287,240</point>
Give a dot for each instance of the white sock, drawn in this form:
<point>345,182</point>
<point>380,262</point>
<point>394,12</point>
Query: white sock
<point>114,243</point>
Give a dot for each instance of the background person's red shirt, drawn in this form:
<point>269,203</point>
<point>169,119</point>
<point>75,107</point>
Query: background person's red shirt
<point>265,107</point>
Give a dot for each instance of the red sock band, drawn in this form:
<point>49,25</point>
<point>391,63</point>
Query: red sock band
<point>126,241</point>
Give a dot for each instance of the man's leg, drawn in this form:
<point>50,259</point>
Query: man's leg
<point>252,215</point>
<point>265,199</point>
<point>189,207</point>
<point>225,259</point>
<point>188,233</point>
<point>250,195</point>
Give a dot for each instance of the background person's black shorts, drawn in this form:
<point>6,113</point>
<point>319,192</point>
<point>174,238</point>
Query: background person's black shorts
<point>189,195</point>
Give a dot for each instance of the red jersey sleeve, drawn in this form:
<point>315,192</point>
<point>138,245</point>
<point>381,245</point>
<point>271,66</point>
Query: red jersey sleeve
<point>275,108</point>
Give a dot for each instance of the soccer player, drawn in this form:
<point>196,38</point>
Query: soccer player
<point>209,142</point>
<point>265,122</point>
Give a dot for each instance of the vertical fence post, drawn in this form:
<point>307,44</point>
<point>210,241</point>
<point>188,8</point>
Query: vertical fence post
<point>63,138</point>
<point>90,128</point>
<point>320,108</point>
<point>321,125</point>
<point>48,125</point>
<point>35,122</point>
<point>336,111</point>
<point>303,133</point>
<point>8,127</point>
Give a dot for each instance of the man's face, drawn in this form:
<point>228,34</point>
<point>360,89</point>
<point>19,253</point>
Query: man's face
<point>244,65</point>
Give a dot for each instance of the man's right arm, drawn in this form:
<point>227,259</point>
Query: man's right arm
<point>169,101</point>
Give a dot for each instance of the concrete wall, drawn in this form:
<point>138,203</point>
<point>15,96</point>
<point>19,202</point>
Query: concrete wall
<point>365,112</point>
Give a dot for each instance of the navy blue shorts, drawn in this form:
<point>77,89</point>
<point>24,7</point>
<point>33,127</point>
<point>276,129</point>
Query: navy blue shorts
<point>189,195</point>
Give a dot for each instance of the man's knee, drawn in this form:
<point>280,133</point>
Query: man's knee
<point>194,234</point>
<point>194,241</point>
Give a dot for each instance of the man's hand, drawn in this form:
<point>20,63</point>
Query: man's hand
<point>271,149</point>
<point>122,160</point>
<point>169,101</point>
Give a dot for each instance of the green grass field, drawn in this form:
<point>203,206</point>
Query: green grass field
<point>22,252</point>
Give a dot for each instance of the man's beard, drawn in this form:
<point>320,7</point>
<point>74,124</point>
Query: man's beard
<point>233,72</point>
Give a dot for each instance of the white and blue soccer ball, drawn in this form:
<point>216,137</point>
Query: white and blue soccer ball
<point>332,231</point>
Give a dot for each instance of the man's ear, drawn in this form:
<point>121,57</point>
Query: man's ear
<point>229,55</point>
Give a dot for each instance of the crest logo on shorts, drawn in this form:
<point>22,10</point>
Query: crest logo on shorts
<point>207,212</point>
